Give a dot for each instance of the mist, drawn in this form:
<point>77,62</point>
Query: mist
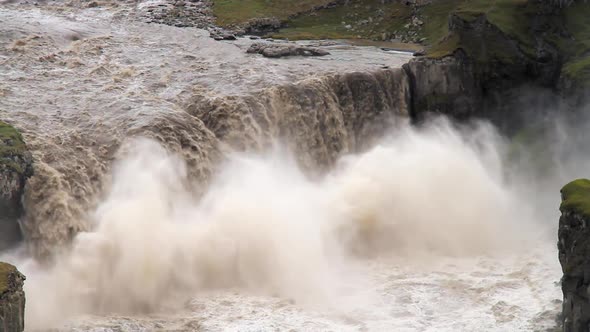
<point>264,226</point>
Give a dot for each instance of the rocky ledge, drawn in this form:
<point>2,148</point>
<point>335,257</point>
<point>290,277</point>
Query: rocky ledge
<point>15,168</point>
<point>574,255</point>
<point>12,299</point>
<point>282,50</point>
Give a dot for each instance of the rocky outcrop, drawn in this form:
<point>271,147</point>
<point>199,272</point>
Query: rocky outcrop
<point>447,85</point>
<point>262,25</point>
<point>15,168</point>
<point>12,299</point>
<point>179,13</point>
<point>480,70</point>
<point>574,255</point>
<point>275,50</point>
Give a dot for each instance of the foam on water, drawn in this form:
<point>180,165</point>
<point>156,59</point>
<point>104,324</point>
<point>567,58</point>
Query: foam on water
<point>419,233</point>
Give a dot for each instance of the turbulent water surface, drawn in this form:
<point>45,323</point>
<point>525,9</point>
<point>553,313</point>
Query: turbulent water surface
<point>204,189</point>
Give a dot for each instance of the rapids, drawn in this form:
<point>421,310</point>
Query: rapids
<point>183,185</point>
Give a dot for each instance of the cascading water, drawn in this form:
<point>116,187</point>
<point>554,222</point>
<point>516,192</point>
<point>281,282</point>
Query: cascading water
<point>181,184</point>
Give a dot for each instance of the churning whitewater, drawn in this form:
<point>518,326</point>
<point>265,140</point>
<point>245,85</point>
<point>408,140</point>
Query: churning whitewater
<point>182,184</point>
<point>424,231</point>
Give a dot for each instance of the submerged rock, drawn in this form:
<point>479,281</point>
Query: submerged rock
<point>574,255</point>
<point>12,299</point>
<point>15,168</point>
<point>282,50</point>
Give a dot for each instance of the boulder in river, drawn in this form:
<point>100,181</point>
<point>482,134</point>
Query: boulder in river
<point>12,299</point>
<point>282,50</point>
<point>574,255</point>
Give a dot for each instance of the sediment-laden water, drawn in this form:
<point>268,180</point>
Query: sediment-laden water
<point>183,185</point>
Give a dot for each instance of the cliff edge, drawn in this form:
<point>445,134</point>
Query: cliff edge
<point>15,168</point>
<point>12,299</point>
<point>574,255</point>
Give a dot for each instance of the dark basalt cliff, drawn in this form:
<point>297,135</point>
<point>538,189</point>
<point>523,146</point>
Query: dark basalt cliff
<point>574,255</point>
<point>482,69</point>
<point>15,168</point>
<point>12,299</point>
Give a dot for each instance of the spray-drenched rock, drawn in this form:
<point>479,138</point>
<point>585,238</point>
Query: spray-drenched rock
<point>446,85</point>
<point>574,255</point>
<point>15,168</point>
<point>12,299</point>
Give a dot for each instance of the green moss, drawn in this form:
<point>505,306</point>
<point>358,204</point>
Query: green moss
<point>12,146</point>
<point>230,12</point>
<point>436,20</point>
<point>446,47</point>
<point>5,271</point>
<point>578,70</point>
<point>576,197</point>
<point>511,17</point>
<point>577,48</point>
<point>358,19</point>
<point>577,23</point>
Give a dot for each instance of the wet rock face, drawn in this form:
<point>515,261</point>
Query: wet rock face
<point>12,299</point>
<point>15,168</point>
<point>446,85</point>
<point>574,255</point>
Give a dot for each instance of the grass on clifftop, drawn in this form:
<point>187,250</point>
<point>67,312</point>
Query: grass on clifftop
<point>576,197</point>
<point>371,18</point>
<point>356,19</point>
<point>367,19</point>
<point>5,270</point>
<point>577,48</point>
<point>11,145</point>
<point>231,12</point>
<point>512,17</point>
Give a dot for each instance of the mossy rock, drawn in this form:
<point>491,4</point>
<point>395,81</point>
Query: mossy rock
<point>12,299</point>
<point>6,270</point>
<point>12,148</point>
<point>15,168</point>
<point>576,197</point>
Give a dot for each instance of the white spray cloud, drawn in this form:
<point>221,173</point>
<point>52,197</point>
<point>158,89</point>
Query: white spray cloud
<point>264,226</point>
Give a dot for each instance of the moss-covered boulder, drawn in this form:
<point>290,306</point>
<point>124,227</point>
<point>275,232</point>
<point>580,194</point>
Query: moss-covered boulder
<point>574,254</point>
<point>12,299</point>
<point>15,169</point>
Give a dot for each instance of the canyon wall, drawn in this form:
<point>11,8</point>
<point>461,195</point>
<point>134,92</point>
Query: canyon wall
<point>15,169</point>
<point>574,255</point>
<point>12,299</point>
